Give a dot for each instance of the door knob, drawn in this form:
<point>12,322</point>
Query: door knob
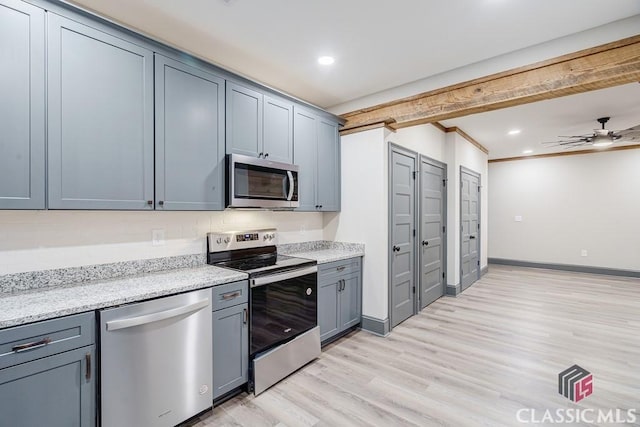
<point>396,248</point>
<point>472,237</point>
<point>425,243</point>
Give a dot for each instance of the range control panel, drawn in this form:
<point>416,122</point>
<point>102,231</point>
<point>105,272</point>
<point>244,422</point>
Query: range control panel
<point>230,240</point>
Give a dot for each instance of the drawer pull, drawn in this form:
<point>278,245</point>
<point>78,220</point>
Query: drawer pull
<point>230,295</point>
<point>342,267</point>
<point>31,345</point>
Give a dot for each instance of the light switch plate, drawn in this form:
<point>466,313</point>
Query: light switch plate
<point>157,237</point>
<point>518,218</point>
<point>583,252</point>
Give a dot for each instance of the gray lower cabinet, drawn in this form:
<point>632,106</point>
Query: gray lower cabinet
<point>22,107</point>
<point>189,138</point>
<point>47,373</point>
<point>317,152</point>
<point>230,337</point>
<point>339,296</point>
<point>100,119</point>
<point>258,125</point>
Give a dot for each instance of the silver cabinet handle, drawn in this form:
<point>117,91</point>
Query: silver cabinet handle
<point>260,281</point>
<point>114,325</point>
<point>245,316</point>
<point>230,295</point>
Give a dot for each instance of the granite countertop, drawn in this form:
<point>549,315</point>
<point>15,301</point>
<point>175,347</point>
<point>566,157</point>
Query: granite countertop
<point>47,303</point>
<point>323,251</point>
<point>41,295</point>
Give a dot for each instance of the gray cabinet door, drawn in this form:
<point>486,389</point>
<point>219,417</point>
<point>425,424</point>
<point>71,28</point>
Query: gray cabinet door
<point>350,301</point>
<point>189,137</point>
<point>328,307</point>
<point>100,119</point>
<point>305,140</point>
<point>278,130</point>
<point>22,124</point>
<point>328,179</point>
<point>55,391</point>
<point>230,349</point>
<point>244,120</point>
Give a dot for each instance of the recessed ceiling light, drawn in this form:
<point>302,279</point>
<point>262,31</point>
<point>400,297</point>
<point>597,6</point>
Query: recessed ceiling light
<point>527,152</point>
<point>326,60</point>
<point>514,132</point>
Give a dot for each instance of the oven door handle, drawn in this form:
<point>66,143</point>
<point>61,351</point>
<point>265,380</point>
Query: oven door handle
<point>291,184</point>
<point>261,281</point>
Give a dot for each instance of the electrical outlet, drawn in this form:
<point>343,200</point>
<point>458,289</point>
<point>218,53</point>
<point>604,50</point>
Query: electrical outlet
<point>157,237</point>
<point>583,252</point>
<point>518,218</point>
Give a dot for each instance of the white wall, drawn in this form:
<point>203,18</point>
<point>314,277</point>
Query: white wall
<point>561,46</point>
<point>461,152</point>
<point>39,240</point>
<point>363,216</point>
<point>567,204</point>
<point>365,186</point>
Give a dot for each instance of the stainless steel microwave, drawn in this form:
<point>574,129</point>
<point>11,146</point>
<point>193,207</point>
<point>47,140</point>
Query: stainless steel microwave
<point>261,183</point>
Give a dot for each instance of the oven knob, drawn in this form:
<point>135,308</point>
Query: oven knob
<point>265,237</point>
<point>226,240</point>
<point>219,240</point>
<point>309,291</point>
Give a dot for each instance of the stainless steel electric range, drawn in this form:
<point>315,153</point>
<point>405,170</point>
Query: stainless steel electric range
<point>283,331</point>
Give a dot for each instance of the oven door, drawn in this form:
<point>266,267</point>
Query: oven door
<point>282,306</point>
<point>260,183</point>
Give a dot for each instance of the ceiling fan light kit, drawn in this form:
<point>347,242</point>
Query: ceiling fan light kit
<point>600,138</point>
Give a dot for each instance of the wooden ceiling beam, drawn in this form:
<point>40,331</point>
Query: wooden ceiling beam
<point>600,67</point>
<point>566,153</point>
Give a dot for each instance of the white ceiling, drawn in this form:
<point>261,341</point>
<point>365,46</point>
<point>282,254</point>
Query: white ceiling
<point>546,120</point>
<point>377,44</point>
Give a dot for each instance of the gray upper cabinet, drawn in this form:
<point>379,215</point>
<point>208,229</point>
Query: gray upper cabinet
<point>328,181</point>
<point>278,130</point>
<point>305,140</point>
<point>189,135</point>
<point>244,120</point>
<point>258,125</point>
<point>317,152</point>
<point>100,119</point>
<point>22,107</point>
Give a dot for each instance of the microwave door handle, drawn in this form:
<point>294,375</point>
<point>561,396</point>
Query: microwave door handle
<point>291,184</point>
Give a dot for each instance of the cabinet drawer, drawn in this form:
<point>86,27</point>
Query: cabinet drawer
<point>29,342</point>
<point>338,268</point>
<point>230,294</point>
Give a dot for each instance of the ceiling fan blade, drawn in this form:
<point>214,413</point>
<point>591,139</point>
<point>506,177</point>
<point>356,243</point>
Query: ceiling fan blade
<point>631,131</point>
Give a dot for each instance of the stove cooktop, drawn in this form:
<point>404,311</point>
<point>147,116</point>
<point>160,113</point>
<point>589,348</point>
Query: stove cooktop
<point>263,264</point>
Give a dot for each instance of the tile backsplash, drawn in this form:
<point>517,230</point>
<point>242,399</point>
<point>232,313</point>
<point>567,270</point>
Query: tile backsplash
<point>41,240</point>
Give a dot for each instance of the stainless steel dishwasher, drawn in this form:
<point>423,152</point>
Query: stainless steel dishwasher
<point>156,361</point>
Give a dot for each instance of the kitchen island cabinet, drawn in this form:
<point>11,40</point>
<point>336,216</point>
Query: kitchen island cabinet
<point>47,373</point>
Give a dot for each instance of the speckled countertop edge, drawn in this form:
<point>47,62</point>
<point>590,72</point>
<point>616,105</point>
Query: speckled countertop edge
<point>323,251</point>
<point>48,303</point>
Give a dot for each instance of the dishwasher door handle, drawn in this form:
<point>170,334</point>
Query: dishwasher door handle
<point>114,325</point>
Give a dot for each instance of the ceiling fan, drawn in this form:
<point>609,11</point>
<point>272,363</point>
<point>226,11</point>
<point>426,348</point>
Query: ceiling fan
<point>599,137</point>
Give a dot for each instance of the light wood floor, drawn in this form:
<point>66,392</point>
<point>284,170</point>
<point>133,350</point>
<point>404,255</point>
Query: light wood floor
<point>473,360</point>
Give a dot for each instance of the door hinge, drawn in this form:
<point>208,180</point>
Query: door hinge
<point>414,289</point>
<point>478,226</point>
<point>444,229</point>
<point>415,173</point>
<point>443,274</point>
<point>461,184</point>
<point>478,188</point>
<point>444,182</point>
<point>414,232</point>
<point>478,263</point>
